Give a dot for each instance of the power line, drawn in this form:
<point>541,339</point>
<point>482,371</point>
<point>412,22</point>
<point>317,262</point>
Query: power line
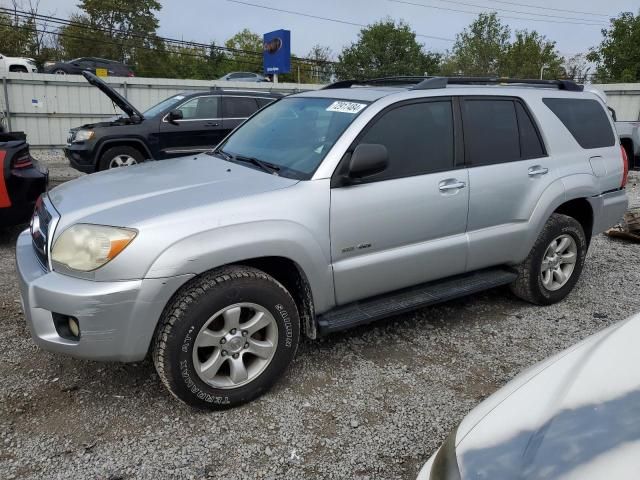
<point>551,8</point>
<point>326,19</point>
<point>476,13</point>
<point>65,22</point>
<point>564,17</point>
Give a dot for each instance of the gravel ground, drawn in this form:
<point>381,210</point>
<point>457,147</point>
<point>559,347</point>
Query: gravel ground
<point>371,403</point>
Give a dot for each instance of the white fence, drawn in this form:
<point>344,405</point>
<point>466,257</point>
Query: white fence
<point>624,98</point>
<point>47,106</point>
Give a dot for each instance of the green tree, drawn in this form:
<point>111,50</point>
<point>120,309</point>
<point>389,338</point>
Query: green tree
<point>618,55</point>
<point>528,54</point>
<point>386,49</point>
<point>116,29</point>
<point>321,68</point>
<point>248,57</point>
<point>16,36</point>
<point>480,48</point>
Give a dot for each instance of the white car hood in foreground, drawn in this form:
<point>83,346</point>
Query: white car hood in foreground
<point>574,416</point>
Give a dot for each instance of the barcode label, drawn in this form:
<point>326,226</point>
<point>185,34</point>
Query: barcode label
<point>346,107</point>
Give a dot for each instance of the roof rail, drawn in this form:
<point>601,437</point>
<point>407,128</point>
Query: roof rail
<point>426,83</point>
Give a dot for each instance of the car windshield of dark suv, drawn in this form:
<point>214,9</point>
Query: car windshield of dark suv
<point>162,106</point>
<point>292,136</point>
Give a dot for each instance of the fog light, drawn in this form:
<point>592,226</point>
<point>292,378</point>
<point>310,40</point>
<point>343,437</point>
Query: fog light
<point>74,327</point>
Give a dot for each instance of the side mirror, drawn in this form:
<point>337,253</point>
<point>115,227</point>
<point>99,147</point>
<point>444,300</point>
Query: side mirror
<point>175,115</point>
<point>367,159</point>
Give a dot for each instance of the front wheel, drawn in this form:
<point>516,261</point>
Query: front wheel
<point>226,338</point>
<point>554,264</point>
<point>119,157</point>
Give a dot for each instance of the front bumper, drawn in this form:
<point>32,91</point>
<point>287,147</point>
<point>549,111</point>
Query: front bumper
<point>117,319</point>
<point>81,157</point>
<point>608,209</point>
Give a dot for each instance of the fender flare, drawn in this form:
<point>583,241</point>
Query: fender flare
<point>106,144</point>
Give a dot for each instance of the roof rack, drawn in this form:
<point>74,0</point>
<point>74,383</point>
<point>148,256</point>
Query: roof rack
<point>427,83</point>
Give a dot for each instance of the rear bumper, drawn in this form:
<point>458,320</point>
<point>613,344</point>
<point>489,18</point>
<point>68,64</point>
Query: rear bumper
<point>24,186</point>
<point>608,209</point>
<point>80,158</point>
<point>117,319</point>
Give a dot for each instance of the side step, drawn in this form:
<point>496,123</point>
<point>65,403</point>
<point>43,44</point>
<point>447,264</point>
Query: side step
<point>369,310</point>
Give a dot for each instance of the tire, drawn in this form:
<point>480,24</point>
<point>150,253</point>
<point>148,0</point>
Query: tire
<point>537,282</point>
<point>179,354</point>
<point>118,157</point>
<point>59,71</point>
<point>18,69</point>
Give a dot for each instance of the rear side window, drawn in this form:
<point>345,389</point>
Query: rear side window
<point>530,143</point>
<point>418,137</point>
<point>585,119</point>
<point>490,131</point>
<point>238,107</point>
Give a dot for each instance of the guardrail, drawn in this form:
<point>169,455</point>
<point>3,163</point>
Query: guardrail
<point>47,106</point>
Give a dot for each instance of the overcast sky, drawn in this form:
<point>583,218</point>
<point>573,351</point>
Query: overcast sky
<point>206,20</point>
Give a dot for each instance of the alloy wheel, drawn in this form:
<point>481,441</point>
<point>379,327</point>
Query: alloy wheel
<point>558,262</point>
<point>235,345</point>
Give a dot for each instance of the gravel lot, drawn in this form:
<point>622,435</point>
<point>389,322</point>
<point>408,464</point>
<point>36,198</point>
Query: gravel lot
<point>371,403</point>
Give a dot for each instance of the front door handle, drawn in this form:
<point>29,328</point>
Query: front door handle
<point>451,184</point>
<point>211,124</point>
<point>538,170</point>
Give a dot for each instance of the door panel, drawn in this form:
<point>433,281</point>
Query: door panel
<point>504,184</point>
<point>397,233</point>
<point>200,129</point>
<point>406,225</point>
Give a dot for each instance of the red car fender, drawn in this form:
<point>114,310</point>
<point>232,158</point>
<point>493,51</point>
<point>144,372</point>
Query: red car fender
<point>5,201</point>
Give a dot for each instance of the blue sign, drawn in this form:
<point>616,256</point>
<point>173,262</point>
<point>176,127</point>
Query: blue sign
<point>277,52</point>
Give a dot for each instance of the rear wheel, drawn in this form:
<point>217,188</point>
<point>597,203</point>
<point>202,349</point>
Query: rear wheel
<point>226,338</point>
<point>59,71</point>
<point>118,157</point>
<point>554,264</point>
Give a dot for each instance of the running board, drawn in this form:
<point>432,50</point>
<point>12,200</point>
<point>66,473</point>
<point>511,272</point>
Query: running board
<point>369,310</point>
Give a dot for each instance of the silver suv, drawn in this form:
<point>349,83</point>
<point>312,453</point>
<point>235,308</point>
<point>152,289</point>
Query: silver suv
<point>323,211</point>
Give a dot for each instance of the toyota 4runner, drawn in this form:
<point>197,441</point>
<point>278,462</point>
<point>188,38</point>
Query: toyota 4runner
<point>325,210</point>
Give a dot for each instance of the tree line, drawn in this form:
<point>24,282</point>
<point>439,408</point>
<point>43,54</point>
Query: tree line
<point>127,32</point>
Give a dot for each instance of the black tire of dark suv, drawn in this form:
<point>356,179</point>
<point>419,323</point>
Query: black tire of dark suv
<point>112,156</point>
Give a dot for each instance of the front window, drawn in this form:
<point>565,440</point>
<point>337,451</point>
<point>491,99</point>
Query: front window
<point>163,105</point>
<point>294,134</point>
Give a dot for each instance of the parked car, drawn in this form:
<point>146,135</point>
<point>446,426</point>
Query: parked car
<point>79,65</point>
<point>325,210</point>
<point>244,77</point>
<point>17,64</point>
<point>572,416</point>
<point>182,124</point>
<point>22,180</point>
<point>629,133</point>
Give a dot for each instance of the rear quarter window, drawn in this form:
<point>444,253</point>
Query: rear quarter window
<point>585,119</point>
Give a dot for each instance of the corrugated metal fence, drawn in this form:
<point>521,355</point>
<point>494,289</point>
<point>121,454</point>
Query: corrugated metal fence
<point>47,106</point>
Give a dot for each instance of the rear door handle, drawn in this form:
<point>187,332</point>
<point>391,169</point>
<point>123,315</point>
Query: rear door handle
<point>211,124</point>
<point>451,184</point>
<point>538,170</point>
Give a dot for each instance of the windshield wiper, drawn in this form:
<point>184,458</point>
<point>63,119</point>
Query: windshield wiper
<point>265,166</point>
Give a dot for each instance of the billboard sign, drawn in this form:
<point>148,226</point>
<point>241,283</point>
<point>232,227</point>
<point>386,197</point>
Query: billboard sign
<point>276,53</point>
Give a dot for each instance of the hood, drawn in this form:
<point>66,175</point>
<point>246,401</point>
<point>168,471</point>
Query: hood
<point>115,97</point>
<point>574,416</point>
<point>155,189</point>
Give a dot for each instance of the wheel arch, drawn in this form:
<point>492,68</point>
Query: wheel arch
<point>581,210</point>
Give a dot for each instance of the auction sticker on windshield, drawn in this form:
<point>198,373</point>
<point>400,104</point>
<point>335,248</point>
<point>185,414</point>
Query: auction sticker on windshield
<point>346,107</point>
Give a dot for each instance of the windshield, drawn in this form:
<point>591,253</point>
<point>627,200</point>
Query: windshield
<point>162,106</point>
<point>294,134</point>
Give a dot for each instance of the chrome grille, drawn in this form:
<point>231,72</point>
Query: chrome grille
<point>40,229</point>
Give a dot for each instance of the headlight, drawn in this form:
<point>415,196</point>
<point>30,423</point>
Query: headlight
<point>85,247</point>
<point>83,135</point>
